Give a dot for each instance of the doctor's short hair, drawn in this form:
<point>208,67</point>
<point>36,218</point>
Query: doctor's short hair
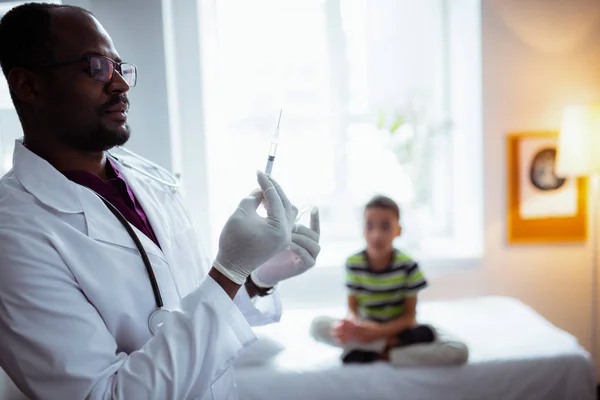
<point>26,40</point>
<point>385,203</point>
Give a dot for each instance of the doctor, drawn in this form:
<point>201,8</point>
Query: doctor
<point>104,293</point>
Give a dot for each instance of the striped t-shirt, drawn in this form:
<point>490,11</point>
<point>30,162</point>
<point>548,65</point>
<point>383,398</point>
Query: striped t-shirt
<point>380,294</point>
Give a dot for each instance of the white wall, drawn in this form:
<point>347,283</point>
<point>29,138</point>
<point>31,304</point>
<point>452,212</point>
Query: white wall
<point>525,87</point>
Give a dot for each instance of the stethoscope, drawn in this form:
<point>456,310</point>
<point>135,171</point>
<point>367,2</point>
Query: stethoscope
<point>158,316</point>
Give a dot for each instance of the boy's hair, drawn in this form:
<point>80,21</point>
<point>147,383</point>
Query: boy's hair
<point>384,202</point>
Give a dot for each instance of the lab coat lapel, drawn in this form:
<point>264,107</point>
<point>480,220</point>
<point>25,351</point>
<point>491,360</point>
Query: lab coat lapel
<point>104,226</point>
<point>54,190</point>
<point>44,182</point>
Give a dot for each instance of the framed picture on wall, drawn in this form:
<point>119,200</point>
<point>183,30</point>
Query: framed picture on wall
<point>541,206</point>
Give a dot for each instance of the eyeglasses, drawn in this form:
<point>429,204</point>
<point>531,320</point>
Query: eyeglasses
<point>102,68</point>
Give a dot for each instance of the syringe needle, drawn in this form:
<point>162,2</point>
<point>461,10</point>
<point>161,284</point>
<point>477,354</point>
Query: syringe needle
<point>279,120</point>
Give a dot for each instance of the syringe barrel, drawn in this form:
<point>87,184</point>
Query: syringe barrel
<point>273,148</point>
<point>269,166</point>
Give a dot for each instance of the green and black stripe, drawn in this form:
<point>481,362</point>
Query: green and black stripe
<point>381,294</point>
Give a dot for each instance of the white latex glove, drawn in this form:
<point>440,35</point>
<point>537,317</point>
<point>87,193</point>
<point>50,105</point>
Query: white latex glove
<point>300,257</point>
<point>248,240</point>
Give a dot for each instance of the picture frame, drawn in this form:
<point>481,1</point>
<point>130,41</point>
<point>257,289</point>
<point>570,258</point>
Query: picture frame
<point>542,208</point>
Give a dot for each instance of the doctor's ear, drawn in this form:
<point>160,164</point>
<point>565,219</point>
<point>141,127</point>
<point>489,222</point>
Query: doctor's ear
<point>24,85</point>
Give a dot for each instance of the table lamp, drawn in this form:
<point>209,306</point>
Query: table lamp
<point>578,155</point>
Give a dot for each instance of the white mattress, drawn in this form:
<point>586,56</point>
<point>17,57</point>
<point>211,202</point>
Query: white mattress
<point>514,354</point>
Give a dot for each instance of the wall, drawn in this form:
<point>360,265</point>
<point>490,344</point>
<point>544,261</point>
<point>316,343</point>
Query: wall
<point>526,82</point>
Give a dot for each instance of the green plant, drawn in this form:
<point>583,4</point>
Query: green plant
<point>412,138</point>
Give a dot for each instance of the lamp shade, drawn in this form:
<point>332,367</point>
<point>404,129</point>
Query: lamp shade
<point>578,152</point>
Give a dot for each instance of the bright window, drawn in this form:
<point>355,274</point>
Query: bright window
<point>344,72</point>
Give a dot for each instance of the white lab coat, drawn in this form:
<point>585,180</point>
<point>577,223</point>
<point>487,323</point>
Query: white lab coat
<point>75,296</point>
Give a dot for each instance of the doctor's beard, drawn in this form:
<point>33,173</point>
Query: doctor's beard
<point>97,140</point>
<point>104,134</point>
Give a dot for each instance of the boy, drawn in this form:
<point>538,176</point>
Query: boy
<point>383,285</point>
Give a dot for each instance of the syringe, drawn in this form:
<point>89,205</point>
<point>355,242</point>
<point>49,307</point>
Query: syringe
<point>273,149</point>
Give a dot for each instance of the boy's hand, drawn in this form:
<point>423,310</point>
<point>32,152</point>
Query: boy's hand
<point>359,331</point>
<point>367,331</point>
<point>343,331</point>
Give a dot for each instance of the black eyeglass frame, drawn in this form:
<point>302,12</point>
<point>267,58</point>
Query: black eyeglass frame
<point>116,67</point>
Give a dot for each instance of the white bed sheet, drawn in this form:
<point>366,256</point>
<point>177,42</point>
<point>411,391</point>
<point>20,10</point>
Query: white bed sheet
<point>514,354</point>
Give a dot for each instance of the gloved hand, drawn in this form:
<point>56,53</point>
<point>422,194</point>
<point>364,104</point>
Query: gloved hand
<point>248,240</point>
<point>300,257</point>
